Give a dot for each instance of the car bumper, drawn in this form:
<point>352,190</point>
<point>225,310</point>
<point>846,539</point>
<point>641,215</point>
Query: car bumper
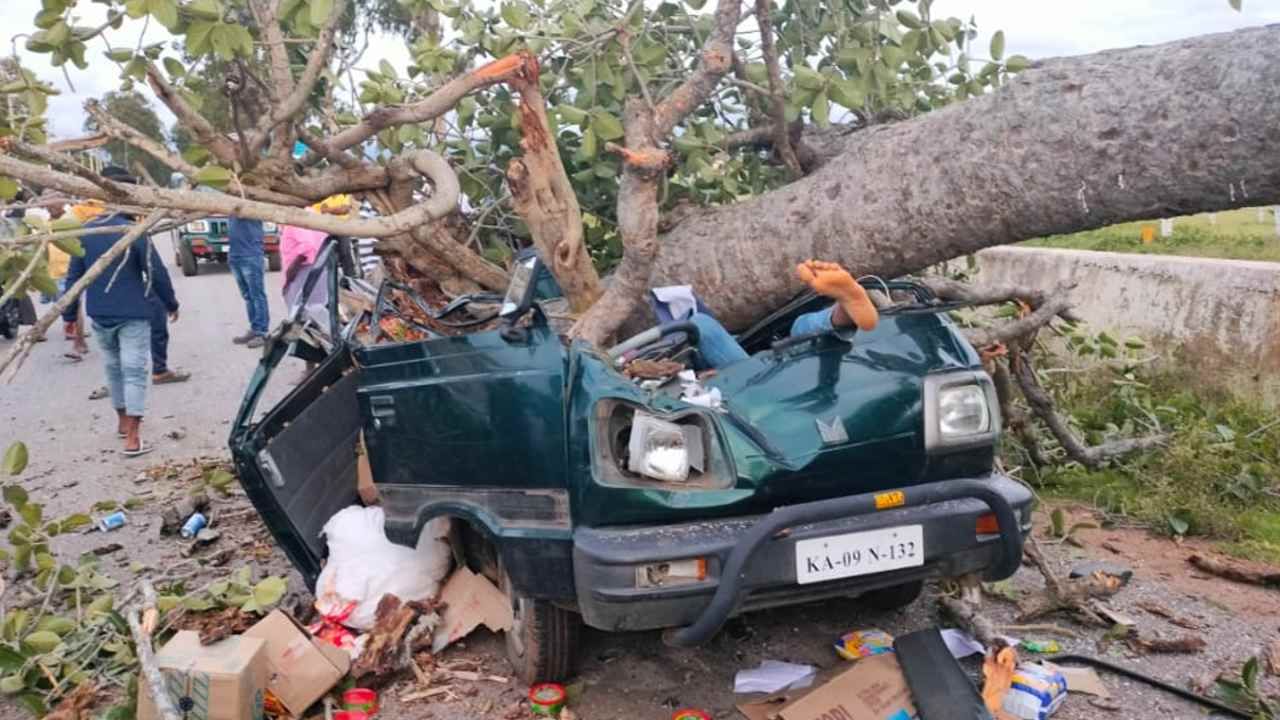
<point>752,561</point>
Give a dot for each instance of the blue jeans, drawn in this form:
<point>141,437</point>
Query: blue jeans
<point>126,346</point>
<point>719,349</point>
<point>159,337</point>
<point>249,273</point>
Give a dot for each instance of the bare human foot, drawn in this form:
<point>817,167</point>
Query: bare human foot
<point>830,280</point>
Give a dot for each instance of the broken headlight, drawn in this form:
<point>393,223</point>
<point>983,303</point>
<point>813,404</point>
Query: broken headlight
<point>634,446</point>
<point>663,450</point>
<point>960,410</point>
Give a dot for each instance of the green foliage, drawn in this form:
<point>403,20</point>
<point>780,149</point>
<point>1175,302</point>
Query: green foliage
<point>1214,477</point>
<point>1236,234</point>
<point>15,459</point>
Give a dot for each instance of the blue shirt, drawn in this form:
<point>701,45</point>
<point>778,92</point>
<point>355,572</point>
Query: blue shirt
<point>142,279</point>
<point>245,238</point>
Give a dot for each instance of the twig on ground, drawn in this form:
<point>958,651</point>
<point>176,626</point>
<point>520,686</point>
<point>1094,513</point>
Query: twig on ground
<point>1235,572</point>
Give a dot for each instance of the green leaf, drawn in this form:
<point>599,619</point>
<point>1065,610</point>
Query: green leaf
<point>213,176</point>
<point>809,79</point>
<point>199,37</point>
<point>1178,525</point>
<point>197,604</point>
<point>60,626</point>
<point>571,114</point>
<point>205,9</point>
<point>607,126</point>
<point>8,188</point>
<point>1236,4</point>
<point>821,109</point>
<point>997,45</point>
<point>516,15</point>
<point>11,660</point>
<point>587,150</point>
<point>165,12</point>
<point>42,641</point>
<point>269,591</point>
<point>1059,522</point>
<point>120,55</point>
<point>12,684</point>
<point>910,19</point>
<point>75,522</point>
<point>847,93</point>
<point>319,11</point>
<point>165,603</point>
<point>174,68</point>
<point>70,246</point>
<point>196,154</point>
<point>1225,432</point>
<point>15,461</point>
<point>221,479</point>
<point>1250,674</point>
<point>1017,63</point>
<point>32,514</point>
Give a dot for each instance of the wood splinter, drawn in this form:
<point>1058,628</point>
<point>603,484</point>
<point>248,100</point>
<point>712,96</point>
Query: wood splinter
<point>648,160</point>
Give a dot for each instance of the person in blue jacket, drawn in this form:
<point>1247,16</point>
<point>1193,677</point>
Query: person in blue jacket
<point>120,308</point>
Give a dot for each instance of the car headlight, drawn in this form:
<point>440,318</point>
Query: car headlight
<point>962,411</point>
<point>634,447</point>
<point>268,227</point>
<point>197,226</point>
<point>660,449</point>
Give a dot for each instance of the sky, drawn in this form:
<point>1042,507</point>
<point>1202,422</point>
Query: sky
<point>1035,28</point>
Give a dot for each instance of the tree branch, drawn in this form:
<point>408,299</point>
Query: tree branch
<point>1033,295</point>
<point>219,145</point>
<point>87,142</point>
<point>1042,405</point>
<point>111,188</point>
<point>292,102</point>
<point>1022,327</point>
<point>442,201</point>
<point>12,286</point>
<point>120,131</point>
<point>777,103</point>
<point>434,105</point>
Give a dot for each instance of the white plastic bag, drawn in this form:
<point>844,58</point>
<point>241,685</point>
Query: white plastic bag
<point>364,565</point>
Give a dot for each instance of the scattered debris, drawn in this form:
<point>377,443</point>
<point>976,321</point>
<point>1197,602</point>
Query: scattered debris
<point>1066,595</point>
<point>1089,568</point>
<point>174,517</point>
<point>470,600</point>
<point>99,393</point>
<point>1273,656</point>
<point>77,704</point>
<point>1161,611</point>
<point>230,675</point>
<point>1043,647</point>
<point>873,687</point>
<point>547,699</point>
<point>175,434</point>
<point>302,669</point>
<point>397,634</point>
<point>114,521</point>
<point>1235,571</point>
<point>644,369</point>
<point>1081,680</point>
<point>1036,694</point>
<point>1185,645</point>
<point>863,643</point>
<point>961,644</point>
<point>193,525</point>
<point>774,676</point>
<point>1104,704</point>
<point>997,676</point>
<point>107,549</point>
<point>213,626</point>
<point>1112,616</point>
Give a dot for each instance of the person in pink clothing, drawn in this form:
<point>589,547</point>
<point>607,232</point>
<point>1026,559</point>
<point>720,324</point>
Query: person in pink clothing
<point>298,250</point>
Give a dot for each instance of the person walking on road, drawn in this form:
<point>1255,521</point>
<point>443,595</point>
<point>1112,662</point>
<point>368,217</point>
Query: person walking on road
<point>119,305</point>
<point>161,373</point>
<point>248,264</point>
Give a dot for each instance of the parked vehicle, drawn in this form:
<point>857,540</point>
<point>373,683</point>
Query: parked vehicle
<point>840,465</point>
<point>207,240</point>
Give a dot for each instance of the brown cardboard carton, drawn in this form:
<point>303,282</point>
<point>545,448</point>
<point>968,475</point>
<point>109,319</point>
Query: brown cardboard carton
<point>223,681</point>
<point>873,688</point>
<point>301,669</point>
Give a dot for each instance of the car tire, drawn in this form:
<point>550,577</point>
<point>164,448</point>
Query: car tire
<point>542,645</point>
<point>187,260</point>
<point>273,262</point>
<point>895,597</point>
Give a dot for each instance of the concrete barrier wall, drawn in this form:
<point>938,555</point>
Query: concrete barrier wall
<point>1221,317</point>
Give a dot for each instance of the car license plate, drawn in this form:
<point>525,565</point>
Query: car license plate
<point>860,553</point>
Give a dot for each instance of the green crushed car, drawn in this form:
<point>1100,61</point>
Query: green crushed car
<point>839,465</point>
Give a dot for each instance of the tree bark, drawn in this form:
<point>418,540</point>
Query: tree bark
<point>1069,145</point>
<point>545,199</point>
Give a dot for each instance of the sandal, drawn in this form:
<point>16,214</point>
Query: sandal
<point>142,449</point>
<point>99,393</point>
<point>170,376</point>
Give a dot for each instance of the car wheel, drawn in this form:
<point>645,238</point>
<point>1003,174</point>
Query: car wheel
<point>542,645</point>
<point>187,260</point>
<point>892,598</point>
<point>273,262</point>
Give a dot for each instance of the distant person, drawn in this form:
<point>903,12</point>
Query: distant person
<point>119,304</point>
<point>49,207</point>
<point>161,373</point>
<point>248,265</point>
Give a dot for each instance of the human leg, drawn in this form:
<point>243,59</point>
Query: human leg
<point>134,342</point>
<point>255,293</point>
<point>817,321</point>
<point>716,345</point>
<point>109,342</point>
<point>853,305</point>
<point>159,339</point>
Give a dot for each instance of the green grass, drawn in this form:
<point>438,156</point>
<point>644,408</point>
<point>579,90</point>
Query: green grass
<point>1237,235</point>
<point>1216,477</point>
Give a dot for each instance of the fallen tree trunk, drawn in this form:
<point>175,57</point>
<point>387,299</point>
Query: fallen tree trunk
<point>1069,145</point>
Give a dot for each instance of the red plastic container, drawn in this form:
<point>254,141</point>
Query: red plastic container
<point>690,714</point>
<point>361,699</point>
<point>350,715</point>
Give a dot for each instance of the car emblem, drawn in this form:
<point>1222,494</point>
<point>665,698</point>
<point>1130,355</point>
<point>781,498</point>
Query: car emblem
<point>832,432</point>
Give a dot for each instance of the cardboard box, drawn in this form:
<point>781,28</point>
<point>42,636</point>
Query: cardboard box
<point>872,688</point>
<point>470,600</point>
<point>223,681</point>
<point>301,669</point>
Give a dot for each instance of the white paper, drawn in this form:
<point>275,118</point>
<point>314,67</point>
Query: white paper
<point>679,299</point>
<point>773,676</point>
<point>961,644</point>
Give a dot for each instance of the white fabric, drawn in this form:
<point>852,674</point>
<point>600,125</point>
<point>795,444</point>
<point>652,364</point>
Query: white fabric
<point>364,565</point>
<point>679,300</point>
<point>773,676</point>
